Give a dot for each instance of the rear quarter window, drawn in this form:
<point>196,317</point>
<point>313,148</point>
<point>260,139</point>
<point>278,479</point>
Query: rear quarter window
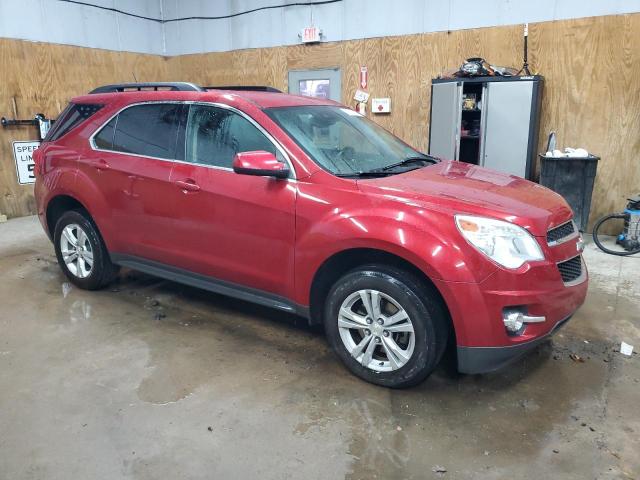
<point>71,117</point>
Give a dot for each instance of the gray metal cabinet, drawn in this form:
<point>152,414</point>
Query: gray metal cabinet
<point>446,101</point>
<point>498,126</point>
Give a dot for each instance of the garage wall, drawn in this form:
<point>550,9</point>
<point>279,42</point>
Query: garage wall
<point>591,95</point>
<point>591,98</point>
<point>150,26</point>
<point>69,23</point>
<point>42,77</point>
<point>356,19</point>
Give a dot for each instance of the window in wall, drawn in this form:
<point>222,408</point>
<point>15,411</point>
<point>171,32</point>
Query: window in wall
<point>215,135</point>
<point>151,130</point>
<point>315,88</point>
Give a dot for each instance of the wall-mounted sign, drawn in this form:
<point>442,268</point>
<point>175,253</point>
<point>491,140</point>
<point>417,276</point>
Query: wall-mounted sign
<point>25,166</point>
<point>361,96</point>
<point>364,77</point>
<point>380,105</point>
<point>310,35</point>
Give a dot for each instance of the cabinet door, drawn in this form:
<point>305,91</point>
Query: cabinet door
<point>506,125</point>
<point>446,109</point>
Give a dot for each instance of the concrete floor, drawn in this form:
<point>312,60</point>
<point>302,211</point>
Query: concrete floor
<point>149,379</point>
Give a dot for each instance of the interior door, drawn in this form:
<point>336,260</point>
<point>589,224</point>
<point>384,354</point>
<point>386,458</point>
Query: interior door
<point>236,228</point>
<point>446,111</point>
<point>507,121</point>
<point>316,83</point>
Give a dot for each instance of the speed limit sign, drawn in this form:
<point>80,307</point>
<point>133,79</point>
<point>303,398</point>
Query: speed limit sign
<point>25,166</point>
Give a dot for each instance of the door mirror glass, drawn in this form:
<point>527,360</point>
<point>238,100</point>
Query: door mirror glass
<point>260,163</point>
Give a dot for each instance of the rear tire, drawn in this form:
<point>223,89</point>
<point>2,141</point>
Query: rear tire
<point>81,252</point>
<point>397,343</point>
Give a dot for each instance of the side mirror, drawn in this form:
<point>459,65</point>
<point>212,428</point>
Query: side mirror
<point>260,163</point>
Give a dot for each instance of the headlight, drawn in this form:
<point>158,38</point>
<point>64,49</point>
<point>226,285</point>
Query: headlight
<point>505,243</point>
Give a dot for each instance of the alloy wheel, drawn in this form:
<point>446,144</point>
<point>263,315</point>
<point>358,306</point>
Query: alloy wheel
<point>376,330</point>
<point>76,249</point>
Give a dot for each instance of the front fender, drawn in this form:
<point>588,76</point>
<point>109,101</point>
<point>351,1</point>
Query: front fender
<point>427,239</point>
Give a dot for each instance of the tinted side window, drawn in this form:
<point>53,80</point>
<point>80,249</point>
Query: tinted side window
<point>104,138</point>
<point>71,117</point>
<point>151,130</point>
<point>215,135</point>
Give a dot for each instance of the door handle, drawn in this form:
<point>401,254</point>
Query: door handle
<point>99,164</point>
<point>188,185</point>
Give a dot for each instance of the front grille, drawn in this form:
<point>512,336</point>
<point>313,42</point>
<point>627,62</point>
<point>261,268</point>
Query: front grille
<point>571,269</point>
<point>558,233</point>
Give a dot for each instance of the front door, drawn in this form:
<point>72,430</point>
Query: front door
<point>232,227</point>
<point>316,83</point>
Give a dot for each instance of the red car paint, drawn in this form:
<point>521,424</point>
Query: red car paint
<point>147,208</point>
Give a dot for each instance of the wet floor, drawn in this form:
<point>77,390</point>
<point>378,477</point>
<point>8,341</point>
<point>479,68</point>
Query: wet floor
<point>149,379</point>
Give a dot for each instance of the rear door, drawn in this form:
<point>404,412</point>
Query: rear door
<point>233,227</point>
<point>132,163</point>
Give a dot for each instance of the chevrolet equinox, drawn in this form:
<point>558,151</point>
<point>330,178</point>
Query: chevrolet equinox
<point>306,206</point>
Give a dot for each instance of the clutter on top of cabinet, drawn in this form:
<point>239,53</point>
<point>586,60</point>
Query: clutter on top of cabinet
<point>479,67</point>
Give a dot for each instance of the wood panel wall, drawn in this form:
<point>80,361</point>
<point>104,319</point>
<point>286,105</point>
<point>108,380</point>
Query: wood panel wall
<point>42,77</point>
<point>591,97</point>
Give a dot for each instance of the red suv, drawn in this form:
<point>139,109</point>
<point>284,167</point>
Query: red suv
<point>306,206</point>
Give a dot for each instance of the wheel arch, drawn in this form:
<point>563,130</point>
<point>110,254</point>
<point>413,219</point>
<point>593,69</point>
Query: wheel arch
<point>342,262</point>
<point>57,206</point>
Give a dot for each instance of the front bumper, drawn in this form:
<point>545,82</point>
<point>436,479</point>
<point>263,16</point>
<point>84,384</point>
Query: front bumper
<point>537,289</point>
<point>473,360</point>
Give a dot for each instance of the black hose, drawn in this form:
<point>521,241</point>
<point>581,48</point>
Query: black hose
<point>599,223</point>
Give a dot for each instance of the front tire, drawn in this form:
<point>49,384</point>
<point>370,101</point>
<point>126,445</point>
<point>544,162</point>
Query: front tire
<point>386,326</point>
<point>81,252</point>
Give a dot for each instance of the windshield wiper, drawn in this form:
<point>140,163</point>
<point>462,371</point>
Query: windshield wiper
<point>368,173</point>
<point>384,171</point>
<point>410,160</point>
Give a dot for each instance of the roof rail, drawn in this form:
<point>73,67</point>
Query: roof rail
<point>175,86</point>
<point>246,88</point>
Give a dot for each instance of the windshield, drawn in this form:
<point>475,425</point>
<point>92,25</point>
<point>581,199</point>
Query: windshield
<point>346,143</point>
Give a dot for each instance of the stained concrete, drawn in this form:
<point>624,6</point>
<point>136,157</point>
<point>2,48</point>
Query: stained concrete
<point>148,379</point>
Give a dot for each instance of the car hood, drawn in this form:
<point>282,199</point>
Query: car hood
<point>459,187</point>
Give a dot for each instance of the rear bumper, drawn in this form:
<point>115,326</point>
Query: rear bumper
<point>473,360</point>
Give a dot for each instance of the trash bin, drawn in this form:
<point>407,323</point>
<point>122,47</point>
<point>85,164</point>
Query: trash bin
<point>571,177</point>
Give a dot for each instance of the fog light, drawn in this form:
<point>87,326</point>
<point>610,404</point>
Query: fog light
<point>513,320</point>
